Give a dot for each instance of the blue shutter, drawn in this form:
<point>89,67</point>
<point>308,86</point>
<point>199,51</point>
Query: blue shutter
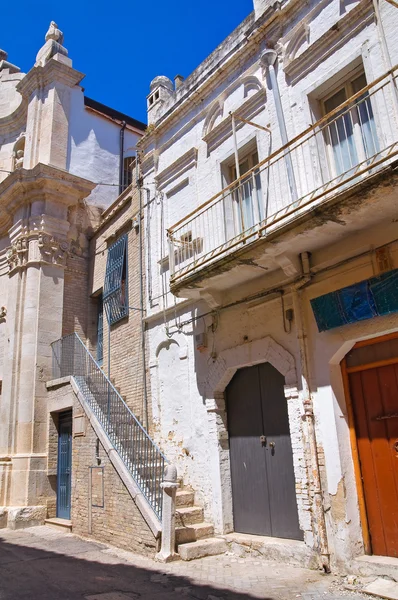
<point>115,287</point>
<point>100,331</point>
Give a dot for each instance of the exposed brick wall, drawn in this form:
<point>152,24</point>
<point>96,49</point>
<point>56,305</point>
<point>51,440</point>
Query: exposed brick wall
<point>119,523</point>
<point>82,219</point>
<point>75,297</point>
<point>126,345</point>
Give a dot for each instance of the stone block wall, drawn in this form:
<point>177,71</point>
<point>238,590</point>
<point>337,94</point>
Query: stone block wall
<point>119,522</point>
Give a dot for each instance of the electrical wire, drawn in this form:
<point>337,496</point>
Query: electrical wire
<point>281,290</point>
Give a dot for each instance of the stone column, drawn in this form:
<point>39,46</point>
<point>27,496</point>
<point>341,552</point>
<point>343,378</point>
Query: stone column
<point>37,261</point>
<point>167,551</point>
<point>35,300</point>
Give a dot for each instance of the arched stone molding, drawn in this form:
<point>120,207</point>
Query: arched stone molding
<point>220,374</point>
<point>216,112</point>
<point>13,122</point>
<point>251,84</point>
<point>247,355</point>
<point>300,39</point>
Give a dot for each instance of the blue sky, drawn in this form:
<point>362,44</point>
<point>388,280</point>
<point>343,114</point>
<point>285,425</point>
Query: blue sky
<point>121,46</point>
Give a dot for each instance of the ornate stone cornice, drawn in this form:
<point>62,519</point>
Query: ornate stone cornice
<point>44,183</point>
<point>53,71</point>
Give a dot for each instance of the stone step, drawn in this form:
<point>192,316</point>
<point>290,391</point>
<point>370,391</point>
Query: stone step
<point>202,548</point>
<point>193,533</point>
<point>185,498</point>
<point>188,516</point>
<point>61,524</point>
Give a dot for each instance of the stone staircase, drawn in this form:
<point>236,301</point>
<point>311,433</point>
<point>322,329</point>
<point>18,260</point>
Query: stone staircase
<point>138,460</point>
<point>194,537</point>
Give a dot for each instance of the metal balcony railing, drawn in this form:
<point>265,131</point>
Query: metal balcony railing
<point>353,141</point>
<point>140,454</point>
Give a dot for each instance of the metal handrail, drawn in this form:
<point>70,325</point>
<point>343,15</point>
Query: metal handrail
<point>141,456</point>
<point>254,204</point>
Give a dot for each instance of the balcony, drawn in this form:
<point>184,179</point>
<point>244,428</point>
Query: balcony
<point>350,144</point>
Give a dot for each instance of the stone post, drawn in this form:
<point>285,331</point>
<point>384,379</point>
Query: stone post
<point>167,551</point>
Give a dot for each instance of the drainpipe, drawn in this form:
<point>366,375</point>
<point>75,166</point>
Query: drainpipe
<point>382,36</point>
<point>121,155</point>
<point>235,147</point>
<point>142,307</point>
<point>268,60</point>
<point>309,411</point>
<point>386,52</point>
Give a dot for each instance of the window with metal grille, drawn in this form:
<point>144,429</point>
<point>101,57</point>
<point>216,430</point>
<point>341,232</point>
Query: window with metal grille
<point>115,296</point>
<point>128,170</point>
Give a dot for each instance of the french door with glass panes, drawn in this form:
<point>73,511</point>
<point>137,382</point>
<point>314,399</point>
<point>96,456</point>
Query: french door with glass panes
<point>351,132</point>
<point>247,197</point>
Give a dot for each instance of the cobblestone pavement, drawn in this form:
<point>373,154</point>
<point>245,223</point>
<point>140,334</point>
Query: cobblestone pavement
<point>42,563</point>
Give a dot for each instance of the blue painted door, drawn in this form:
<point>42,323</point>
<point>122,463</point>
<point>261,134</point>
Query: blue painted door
<point>64,465</point>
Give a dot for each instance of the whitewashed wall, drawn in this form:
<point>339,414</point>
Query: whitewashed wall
<point>187,431</point>
<point>94,149</point>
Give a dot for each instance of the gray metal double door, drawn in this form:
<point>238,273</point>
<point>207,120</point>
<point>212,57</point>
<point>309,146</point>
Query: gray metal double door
<point>263,484</point>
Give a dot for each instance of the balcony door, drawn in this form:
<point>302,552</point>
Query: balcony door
<point>247,199</point>
<point>351,132</point>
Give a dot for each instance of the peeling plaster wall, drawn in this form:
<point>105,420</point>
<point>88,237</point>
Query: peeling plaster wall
<point>190,424</point>
<point>94,145</point>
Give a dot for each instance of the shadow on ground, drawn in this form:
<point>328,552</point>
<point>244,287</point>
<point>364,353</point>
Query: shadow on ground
<point>68,568</point>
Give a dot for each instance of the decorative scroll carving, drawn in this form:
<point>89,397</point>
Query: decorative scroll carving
<point>40,248</point>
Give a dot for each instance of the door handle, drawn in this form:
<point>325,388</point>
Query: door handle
<point>263,440</point>
<point>272,446</point>
<point>396,446</point>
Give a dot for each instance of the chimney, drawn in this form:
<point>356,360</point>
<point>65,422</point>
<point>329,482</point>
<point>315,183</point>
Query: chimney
<point>178,81</point>
<point>162,91</point>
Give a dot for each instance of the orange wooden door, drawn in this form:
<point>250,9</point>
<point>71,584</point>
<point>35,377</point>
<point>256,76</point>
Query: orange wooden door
<point>374,395</point>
